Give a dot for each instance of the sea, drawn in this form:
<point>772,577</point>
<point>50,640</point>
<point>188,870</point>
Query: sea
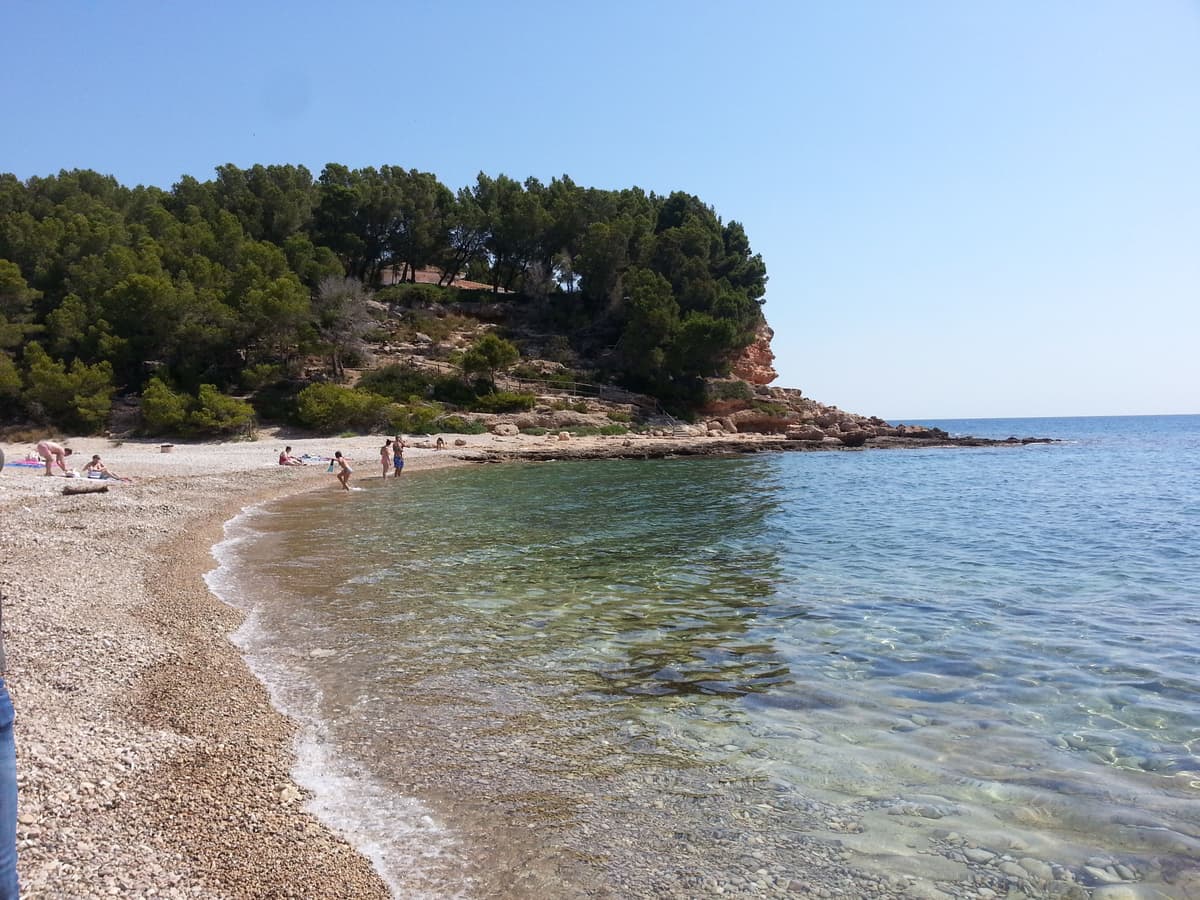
<point>796,673</point>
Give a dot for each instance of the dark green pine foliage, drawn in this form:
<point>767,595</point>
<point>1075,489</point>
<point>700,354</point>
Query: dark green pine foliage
<point>222,286</point>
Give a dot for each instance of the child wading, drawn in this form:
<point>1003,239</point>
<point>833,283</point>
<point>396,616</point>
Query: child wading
<point>344,470</point>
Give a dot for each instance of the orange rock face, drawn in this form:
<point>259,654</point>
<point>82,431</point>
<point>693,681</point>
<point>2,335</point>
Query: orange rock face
<point>754,365</point>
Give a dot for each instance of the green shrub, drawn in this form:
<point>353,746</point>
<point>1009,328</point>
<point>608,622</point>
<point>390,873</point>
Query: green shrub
<point>459,425</point>
<point>399,382</point>
<point>557,349</point>
<point>415,418</point>
<point>208,414</point>
<point>277,401</point>
<point>214,413</point>
<point>579,406</point>
<point>78,398</point>
<point>729,390</point>
<point>414,294</point>
<point>504,401</point>
<point>452,390</point>
<point>255,377</point>
<point>331,408</point>
<point>592,430</point>
<point>767,408</point>
<point>163,410</point>
<point>536,430</point>
<point>619,415</point>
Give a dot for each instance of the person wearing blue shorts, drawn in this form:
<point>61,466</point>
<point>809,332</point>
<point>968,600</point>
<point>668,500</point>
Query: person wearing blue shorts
<point>397,456</point>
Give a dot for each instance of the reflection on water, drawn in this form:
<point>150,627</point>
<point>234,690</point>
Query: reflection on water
<point>578,664</point>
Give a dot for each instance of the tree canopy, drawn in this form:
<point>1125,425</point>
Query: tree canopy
<point>104,287</point>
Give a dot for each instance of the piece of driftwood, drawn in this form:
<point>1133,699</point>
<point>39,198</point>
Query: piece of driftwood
<point>84,487</point>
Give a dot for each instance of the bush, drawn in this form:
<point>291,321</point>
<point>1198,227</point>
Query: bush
<point>215,413</point>
<point>255,377</point>
<point>459,425</point>
<point>579,406</point>
<point>163,410</point>
<point>399,382</point>
<point>331,408</point>
<point>79,398</point>
<point>411,295</point>
<point>416,418</point>
<point>557,349</point>
<point>452,390</point>
<point>729,390</point>
<point>771,409</point>
<point>208,414</point>
<point>591,430</point>
<point>277,401</point>
<point>619,415</point>
<point>504,401</point>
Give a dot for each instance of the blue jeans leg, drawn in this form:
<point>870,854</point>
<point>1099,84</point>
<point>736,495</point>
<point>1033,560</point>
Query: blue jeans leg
<point>8,799</point>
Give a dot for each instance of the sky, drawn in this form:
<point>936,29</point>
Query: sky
<point>978,209</point>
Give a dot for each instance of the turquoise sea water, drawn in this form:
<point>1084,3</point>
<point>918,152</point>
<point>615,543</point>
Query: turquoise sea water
<point>702,676</point>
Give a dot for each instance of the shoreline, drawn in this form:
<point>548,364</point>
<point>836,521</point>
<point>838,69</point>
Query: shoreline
<point>150,758</point>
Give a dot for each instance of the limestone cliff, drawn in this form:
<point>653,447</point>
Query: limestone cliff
<point>754,365</point>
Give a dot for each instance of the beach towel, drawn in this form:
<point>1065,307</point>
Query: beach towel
<point>28,463</point>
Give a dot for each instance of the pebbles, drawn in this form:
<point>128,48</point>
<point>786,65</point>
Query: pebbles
<point>149,761</point>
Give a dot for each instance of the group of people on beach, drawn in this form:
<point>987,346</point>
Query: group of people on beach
<point>391,459</point>
<point>53,453</point>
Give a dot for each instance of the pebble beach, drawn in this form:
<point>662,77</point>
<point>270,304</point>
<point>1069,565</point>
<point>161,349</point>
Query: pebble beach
<point>150,761</point>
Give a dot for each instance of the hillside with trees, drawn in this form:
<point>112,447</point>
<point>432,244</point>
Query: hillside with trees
<point>260,294</point>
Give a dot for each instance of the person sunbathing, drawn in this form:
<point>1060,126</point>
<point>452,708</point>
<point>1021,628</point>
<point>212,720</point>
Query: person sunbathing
<point>96,468</point>
<point>286,458</point>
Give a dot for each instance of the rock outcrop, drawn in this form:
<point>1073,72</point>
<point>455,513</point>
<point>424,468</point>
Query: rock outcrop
<point>755,363</point>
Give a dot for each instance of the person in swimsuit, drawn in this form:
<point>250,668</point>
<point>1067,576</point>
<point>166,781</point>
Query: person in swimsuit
<point>286,458</point>
<point>344,470</point>
<point>97,469</point>
<point>52,452</point>
<point>397,456</point>
<point>385,456</point>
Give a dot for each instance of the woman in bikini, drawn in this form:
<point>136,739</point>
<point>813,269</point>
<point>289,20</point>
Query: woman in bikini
<point>385,456</point>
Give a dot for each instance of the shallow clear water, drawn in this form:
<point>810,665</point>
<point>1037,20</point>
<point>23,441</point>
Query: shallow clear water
<point>731,664</point>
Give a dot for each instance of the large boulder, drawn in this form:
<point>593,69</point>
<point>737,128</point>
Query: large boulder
<point>853,438</point>
<point>805,433</point>
<point>505,429</point>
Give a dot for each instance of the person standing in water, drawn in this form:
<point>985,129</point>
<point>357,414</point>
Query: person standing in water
<point>397,456</point>
<point>385,456</point>
<point>344,470</point>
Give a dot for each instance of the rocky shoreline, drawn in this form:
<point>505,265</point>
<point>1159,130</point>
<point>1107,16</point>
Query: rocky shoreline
<point>730,445</point>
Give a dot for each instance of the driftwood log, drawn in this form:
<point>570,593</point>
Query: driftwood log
<point>84,487</point>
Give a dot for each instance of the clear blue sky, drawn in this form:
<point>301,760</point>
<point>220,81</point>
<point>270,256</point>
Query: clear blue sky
<point>966,209</point>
